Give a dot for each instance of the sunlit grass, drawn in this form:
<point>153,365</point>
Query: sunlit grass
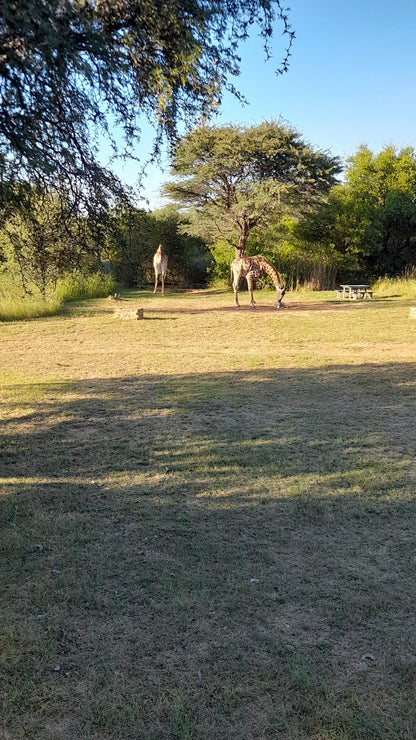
<point>78,287</point>
<point>385,287</point>
<point>208,520</point>
<point>15,305</point>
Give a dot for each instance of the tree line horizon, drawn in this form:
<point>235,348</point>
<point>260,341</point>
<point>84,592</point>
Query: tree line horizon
<point>67,73</point>
<point>235,189</point>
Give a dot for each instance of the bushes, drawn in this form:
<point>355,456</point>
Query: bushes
<point>220,273</point>
<point>77,287</point>
<point>15,305</point>
<point>400,286</point>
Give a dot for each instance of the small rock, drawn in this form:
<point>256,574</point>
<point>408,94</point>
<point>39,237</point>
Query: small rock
<point>367,656</point>
<point>254,580</point>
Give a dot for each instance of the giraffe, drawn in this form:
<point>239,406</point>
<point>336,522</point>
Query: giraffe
<point>160,264</point>
<point>251,268</point>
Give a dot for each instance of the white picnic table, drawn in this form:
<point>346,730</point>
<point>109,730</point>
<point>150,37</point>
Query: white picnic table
<point>352,291</point>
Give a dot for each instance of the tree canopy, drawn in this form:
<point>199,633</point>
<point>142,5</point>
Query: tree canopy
<point>45,238</point>
<point>239,177</point>
<point>69,69</point>
<point>370,220</point>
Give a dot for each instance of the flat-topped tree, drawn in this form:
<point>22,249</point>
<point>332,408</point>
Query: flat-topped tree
<point>237,177</point>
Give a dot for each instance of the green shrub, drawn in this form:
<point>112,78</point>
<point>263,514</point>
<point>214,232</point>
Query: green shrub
<point>77,287</point>
<point>220,273</point>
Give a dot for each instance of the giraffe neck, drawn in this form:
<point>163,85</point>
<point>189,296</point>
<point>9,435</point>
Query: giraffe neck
<point>271,271</point>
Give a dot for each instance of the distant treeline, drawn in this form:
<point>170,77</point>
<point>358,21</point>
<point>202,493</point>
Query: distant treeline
<point>364,228</point>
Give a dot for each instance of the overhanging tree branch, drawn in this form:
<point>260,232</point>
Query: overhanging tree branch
<point>67,68</point>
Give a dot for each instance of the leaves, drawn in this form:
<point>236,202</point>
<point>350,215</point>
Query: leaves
<point>238,177</point>
<point>68,69</point>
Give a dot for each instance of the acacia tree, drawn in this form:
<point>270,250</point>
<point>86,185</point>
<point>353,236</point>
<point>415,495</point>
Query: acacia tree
<point>238,178</point>
<point>69,68</point>
<point>40,241</point>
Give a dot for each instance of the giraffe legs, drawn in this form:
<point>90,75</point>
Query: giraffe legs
<point>163,283</point>
<point>235,287</point>
<point>250,285</point>
<point>280,293</point>
<point>155,283</point>
<point>236,280</point>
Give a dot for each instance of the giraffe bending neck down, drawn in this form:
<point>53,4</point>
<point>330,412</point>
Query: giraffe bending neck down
<point>251,268</point>
<point>160,265</point>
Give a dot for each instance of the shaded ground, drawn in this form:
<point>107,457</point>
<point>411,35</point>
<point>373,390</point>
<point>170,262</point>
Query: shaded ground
<point>261,307</point>
<point>209,552</point>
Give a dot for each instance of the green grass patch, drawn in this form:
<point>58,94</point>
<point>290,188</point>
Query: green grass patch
<point>207,520</point>
<point>15,305</point>
<point>403,287</point>
<point>78,287</point>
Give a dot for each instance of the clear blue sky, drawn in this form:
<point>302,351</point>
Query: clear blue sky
<point>351,80</point>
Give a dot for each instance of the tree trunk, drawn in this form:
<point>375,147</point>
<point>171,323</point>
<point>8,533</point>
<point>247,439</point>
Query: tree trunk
<point>244,230</point>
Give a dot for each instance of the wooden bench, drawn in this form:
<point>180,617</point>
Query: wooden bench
<point>353,292</point>
<point>363,294</point>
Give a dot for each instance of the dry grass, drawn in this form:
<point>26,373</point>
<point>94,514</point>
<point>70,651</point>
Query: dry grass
<point>208,521</point>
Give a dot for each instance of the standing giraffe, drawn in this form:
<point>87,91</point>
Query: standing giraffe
<point>251,268</point>
<point>160,264</point>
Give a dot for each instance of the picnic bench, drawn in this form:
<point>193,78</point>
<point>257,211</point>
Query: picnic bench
<point>352,292</point>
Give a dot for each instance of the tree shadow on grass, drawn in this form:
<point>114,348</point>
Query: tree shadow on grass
<point>222,549</point>
<point>280,422</point>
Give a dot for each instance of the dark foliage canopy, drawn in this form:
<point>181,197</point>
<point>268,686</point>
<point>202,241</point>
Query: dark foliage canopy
<point>70,69</point>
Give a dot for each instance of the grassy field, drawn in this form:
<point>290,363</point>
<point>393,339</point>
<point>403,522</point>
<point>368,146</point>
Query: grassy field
<point>208,521</point>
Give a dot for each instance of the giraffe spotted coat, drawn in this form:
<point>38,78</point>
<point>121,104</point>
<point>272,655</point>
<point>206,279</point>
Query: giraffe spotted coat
<point>251,268</point>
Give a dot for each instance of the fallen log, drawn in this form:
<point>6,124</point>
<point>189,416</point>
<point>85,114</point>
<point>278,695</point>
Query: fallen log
<point>128,313</point>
